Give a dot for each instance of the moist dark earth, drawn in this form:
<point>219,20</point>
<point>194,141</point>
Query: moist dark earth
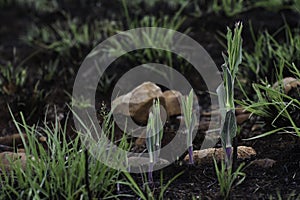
<point>197,181</point>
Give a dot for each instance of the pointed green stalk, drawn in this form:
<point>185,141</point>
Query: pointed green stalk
<point>190,121</point>
<point>154,135</point>
<point>225,90</point>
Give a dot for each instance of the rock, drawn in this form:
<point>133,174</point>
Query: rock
<point>288,84</point>
<point>206,155</point>
<point>245,152</point>
<point>7,159</point>
<point>15,140</point>
<point>172,100</point>
<point>143,161</point>
<point>241,114</point>
<point>138,102</point>
<point>239,110</point>
<point>240,119</point>
<point>256,127</point>
<point>12,140</point>
<point>264,163</point>
<point>21,150</point>
<point>140,142</point>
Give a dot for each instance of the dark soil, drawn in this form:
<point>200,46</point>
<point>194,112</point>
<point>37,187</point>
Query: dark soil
<point>282,179</point>
<point>197,181</point>
<point>260,183</point>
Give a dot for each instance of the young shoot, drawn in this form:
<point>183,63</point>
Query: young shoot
<point>225,91</point>
<point>228,179</point>
<point>190,121</point>
<point>154,135</point>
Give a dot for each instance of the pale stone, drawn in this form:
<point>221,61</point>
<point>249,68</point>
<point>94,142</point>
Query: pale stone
<point>206,155</point>
<point>172,102</point>
<point>142,161</point>
<point>288,84</point>
<point>138,102</point>
<point>7,159</point>
<point>16,139</point>
<point>240,119</point>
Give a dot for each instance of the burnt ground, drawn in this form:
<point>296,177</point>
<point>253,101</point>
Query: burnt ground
<point>280,180</point>
<point>260,183</point>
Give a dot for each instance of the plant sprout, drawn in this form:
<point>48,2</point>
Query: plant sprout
<point>227,179</point>
<point>154,135</point>
<point>190,121</point>
<point>147,193</point>
<point>229,7</point>
<point>12,77</point>
<point>225,91</point>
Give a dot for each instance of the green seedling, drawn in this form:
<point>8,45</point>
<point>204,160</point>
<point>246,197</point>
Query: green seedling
<point>154,135</point>
<point>147,193</point>
<point>190,122</point>
<point>12,77</point>
<point>227,178</point>
<point>225,91</point>
<point>229,7</point>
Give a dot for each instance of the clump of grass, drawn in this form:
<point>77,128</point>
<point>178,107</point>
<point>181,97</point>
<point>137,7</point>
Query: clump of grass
<point>271,61</point>
<point>268,52</point>
<point>277,5</point>
<point>279,196</point>
<point>12,78</point>
<point>58,171</point>
<point>234,7</point>
<point>26,94</point>
<point>229,7</point>
<point>49,70</point>
<point>227,178</point>
<point>275,106</point>
<point>147,193</point>
<point>41,6</point>
<point>190,122</point>
<point>151,39</point>
<point>70,38</point>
